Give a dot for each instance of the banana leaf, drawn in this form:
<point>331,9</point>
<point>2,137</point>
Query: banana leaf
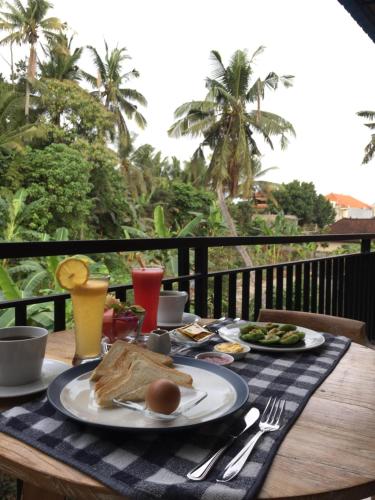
<point>8,286</point>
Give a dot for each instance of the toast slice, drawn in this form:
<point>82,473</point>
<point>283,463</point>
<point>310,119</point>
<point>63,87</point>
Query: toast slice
<point>134,386</point>
<point>120,371</point>
<point>113,359</point>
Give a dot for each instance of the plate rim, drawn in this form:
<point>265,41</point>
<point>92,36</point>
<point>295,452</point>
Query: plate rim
<point>33,388</point>
<point>263,348</point>
<point>55,388</point>
<point>176,325</point>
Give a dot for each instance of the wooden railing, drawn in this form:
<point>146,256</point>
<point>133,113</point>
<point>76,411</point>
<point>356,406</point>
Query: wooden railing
<point>340,285</point>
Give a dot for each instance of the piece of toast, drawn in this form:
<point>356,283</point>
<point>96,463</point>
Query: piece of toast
<point>134,386</point>
<point>120,370</point>
<point>113,359</point>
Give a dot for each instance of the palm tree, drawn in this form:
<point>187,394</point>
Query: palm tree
<point>228,127</point>
<point>26,25</point>
<point>370,148</point>
<point>109,89</point>
<point>62,62</point>
<point>12,134</point>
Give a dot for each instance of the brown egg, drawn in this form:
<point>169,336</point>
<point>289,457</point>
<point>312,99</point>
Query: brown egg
<point>163,396</point>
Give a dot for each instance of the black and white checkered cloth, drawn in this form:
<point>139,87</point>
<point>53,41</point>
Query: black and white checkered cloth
<point>150,465</point>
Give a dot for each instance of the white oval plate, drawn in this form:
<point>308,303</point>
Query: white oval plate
<point>72,394</point>
<point>186,318</point>
<point>50,369</point>
<point>312,339</point>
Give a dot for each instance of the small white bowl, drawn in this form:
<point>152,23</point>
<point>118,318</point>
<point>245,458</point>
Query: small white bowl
<point>235,355</point>
<point>209,356</point>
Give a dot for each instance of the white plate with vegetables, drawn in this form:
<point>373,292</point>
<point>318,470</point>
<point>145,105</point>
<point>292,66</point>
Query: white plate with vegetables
<point>273,337</point>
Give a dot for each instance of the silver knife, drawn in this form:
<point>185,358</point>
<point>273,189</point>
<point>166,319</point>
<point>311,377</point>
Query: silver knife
<point>201,470</point>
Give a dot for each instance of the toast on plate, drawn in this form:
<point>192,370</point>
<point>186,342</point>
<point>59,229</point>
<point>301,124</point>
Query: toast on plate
<point>133,386</point>
<point>114,359</point>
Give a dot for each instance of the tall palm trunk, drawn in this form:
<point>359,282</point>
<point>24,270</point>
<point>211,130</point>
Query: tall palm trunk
<point>232,228</point>
<point>31,70</point>
<point>11,64</point>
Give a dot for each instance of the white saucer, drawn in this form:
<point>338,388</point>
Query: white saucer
<point>186,318</point>
<point>50,369</point>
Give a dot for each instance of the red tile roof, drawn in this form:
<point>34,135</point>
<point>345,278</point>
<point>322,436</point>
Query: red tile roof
<point>352,226</point>
<point>345,201</point>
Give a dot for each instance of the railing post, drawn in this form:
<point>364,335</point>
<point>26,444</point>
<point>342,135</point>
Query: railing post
<point>201,282</point>
<point>184,270</point>
<point>59,314</point>
<point>366,245</point>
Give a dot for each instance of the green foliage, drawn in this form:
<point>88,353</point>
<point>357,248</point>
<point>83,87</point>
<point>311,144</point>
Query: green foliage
<point>301,199</point>
<point>67,111</point>
<point>118,99</point>
<point>227,125</point>
<point>242,212</point>
<point>271,254</point>
<point>183,201</point>
<point>108,193</point>
<point>15,211</point>
<point>57,181</point>
<point>62,62</point>
<point>13,131</point>
<point>160,230</point>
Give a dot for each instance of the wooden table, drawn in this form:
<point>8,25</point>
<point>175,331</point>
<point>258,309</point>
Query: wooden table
<point>328,454</point>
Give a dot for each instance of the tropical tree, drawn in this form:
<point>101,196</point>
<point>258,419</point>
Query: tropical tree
<point>12,131</point>
<point>229,127</point>
<point>301,199</point>
<point>116,98</point>
<point>370,148</point>
<point>195,171</point>
<point>62,60</point>
<point>25,24</point>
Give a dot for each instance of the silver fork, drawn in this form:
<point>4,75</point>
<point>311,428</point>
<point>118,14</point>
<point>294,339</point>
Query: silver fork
<point>269,422</point>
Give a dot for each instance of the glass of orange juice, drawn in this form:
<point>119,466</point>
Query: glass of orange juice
<point>88,307</point>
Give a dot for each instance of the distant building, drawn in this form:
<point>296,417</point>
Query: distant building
<point>352,226</point>
<point>347,207</point>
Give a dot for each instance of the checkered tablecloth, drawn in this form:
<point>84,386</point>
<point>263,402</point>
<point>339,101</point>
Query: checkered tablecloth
<point>152,466</point>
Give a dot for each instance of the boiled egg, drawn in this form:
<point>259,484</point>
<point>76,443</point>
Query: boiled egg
<point>163,396</point>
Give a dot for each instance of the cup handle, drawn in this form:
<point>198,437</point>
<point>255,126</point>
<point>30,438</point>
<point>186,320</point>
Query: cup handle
<point>186,297</point>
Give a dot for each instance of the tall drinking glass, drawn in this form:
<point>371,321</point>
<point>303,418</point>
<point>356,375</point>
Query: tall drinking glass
<point>88,308</point>
<point>146,284</point>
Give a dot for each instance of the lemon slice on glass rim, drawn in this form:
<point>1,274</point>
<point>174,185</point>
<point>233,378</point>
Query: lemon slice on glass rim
<point>71,273</point>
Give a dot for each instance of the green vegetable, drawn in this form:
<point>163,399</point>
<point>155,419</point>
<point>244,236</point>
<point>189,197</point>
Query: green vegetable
<point>301,335</point>
<point>269,326</point>
<point>287,328</point>
<point>273,331</point>
<point>290,338</point>
<point>247,328</point>
<point>272,339</point>
<point>252,336</point>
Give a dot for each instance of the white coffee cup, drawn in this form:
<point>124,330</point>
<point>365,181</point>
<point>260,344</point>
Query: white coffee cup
<point>22,351</point>
<point>171,307</point>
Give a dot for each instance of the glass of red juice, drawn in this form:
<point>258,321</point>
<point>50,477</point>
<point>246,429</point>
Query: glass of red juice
<point>146,284</point>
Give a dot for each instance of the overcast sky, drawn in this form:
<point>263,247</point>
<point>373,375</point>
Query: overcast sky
<point>317,41</point>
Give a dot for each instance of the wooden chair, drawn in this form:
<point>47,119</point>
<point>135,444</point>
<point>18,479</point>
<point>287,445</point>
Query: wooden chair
<point>351,328</point>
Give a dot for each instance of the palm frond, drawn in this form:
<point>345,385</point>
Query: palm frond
<point>255,54</point>
<point>98,62</point>
<point>369,150</point>
<point>134,95</point>
<point>218,69</point>
<point>369,115</point>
